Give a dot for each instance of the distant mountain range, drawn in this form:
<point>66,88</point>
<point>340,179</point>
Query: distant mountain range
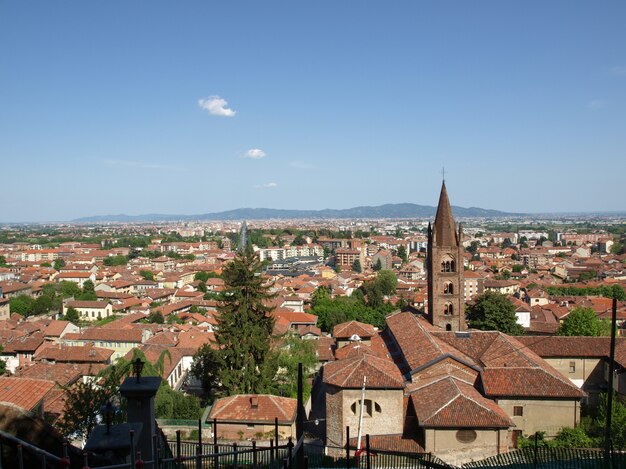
<point>381,211</point>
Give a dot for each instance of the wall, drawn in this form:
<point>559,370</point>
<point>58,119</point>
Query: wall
<point>444,444</point>
<point>339,413</point>
<point>542,415</point>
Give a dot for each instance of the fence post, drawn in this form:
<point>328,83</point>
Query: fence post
<point>290,453</point>
<point>199,448</point>
<point>367,452</point>
<point>155,452</point>
<point>254,455</point>
<point>348,447</point>
<point>1,450</point>
<point>132,448</point>
<point>20,456</point>
<point>178,461</point>
<point>86,461</point>
<point>234,455</point>
<point>272,454</point>
<point>216,448</point>
<point>535,450</point>
<point>276,434</point>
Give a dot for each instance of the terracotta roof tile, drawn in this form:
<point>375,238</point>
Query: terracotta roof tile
<point>258,408</point>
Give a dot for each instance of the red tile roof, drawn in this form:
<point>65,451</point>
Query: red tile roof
<point>449,402</point>
<point>348,329</point>
<point>349,373</point>
<point>254,408</point>
<point>24,392</point>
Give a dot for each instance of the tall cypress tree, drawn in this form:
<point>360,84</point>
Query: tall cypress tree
<point>241,361</point>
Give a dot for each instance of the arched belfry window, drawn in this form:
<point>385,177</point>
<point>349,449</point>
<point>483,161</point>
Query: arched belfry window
<point>448,288</point>
<point>448,309</point>
<point>448,264</point>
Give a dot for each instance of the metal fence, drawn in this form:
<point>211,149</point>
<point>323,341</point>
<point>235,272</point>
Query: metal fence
<point>17,454</point>
<point>552,458</point>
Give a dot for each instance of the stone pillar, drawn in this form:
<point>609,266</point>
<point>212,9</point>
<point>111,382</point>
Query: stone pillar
<point>140,394</point>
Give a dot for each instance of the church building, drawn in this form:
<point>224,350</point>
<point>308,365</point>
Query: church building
<point>445,269</point>
<point>429,384</point>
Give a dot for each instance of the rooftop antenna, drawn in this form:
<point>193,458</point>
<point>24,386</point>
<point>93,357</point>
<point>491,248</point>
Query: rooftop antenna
<point>443,173</point>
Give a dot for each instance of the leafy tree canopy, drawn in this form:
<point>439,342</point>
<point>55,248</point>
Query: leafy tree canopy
<point>493,312</point>
<point>584,322</point>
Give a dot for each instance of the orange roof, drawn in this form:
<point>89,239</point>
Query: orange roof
<point>24,392</point>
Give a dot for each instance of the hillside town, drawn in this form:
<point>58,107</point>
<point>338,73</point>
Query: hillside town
<point>386,310</point>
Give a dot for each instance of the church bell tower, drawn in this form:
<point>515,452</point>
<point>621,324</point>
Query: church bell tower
<point>446,306</point>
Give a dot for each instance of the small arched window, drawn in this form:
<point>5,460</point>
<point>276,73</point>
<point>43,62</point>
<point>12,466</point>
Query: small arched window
<point>448,264</point>
<point>448,309</point>
<point>448,288</point>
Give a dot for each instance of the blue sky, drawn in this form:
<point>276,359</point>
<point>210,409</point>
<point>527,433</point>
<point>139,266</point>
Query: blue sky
<point>194,107</point>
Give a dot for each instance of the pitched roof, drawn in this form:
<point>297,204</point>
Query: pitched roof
<point>561,346</point>
<point>262,408</point>
<point>349,373</point>
<point>348,329</point>
<point>449,402</point>
<point>527,382</point>
<point>24,392</point>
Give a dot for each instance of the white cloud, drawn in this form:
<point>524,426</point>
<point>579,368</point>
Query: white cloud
<point>268,185</point>
<point>216,106</point>
<point>302,165</point>
<point>255,153</point>
<point>620,71</point>
<point>596,104</point>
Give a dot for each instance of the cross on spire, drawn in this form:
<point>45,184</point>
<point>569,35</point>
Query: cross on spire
<point>443,173</point>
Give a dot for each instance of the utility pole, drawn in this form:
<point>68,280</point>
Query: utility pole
<point>358,439</point>
<point>609,398</point>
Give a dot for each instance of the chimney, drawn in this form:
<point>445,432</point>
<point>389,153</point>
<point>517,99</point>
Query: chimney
<point>254,402</point>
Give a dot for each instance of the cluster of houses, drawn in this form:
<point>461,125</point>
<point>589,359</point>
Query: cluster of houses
<point>429,383</point>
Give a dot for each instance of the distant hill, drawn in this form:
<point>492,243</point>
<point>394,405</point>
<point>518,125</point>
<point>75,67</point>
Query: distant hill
<point>381,211</point>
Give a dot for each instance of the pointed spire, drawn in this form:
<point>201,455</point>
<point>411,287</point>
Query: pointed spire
<point>243,238</point>
<point>445,228</point>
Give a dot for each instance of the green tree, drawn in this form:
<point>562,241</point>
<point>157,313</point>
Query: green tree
<point>356,266</point>
<point>115,260</point>
<point>321,293</point>
<point>72,315</point>
<point>155,317</point>
<point>239,365</point>
<point>69,289</point>
<point>22,304</point>
<point>378,265</point>
<point>387,281</point>
<point>3,261</point>
<point>493,312</point>
<point>299,240</point>
<point>618,421</point>
<point>402,254</point>
<point>58,264</point>
<point>147,274</point>
<point>293,351</point>
<point>617,248</point>
<point>88,292</point>
<point>83,403</point>
<point>584,322</point>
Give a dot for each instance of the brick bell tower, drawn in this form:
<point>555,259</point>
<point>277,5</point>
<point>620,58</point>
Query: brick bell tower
<point>446,306</point>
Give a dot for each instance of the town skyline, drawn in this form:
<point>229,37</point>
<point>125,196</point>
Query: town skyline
<point>144,108</point>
